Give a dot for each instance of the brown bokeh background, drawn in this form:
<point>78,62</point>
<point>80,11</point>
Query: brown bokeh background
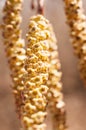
<point>73,88</point>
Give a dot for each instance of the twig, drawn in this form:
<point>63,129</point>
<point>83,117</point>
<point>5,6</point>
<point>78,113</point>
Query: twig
<point>32,4</point>
<point>40,6</point>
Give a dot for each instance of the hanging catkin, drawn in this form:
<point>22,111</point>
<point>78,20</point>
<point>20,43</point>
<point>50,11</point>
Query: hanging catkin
<point>36,64</point>
<point>56,103</point>
<point>14,46</point>
<point>77,23</point>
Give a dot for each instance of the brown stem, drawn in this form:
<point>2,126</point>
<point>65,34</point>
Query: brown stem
<point>32,4</point>
<point>40,7</point>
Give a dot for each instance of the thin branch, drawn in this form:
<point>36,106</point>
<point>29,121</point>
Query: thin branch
<point>40,7</point>
<point>32,4</point>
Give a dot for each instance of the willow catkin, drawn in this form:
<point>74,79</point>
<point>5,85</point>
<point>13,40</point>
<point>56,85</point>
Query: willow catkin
<point>56,103</point>
<point>36,64</point>
<point>77,23</point>
<point>14,46</point>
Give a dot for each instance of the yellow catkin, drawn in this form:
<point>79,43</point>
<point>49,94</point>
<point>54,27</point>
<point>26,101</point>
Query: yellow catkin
<point>36,65</point>
<point>14,46</point>
<point>77,23</point>
<point>56,103</point>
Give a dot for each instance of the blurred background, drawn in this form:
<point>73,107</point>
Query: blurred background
<point>73,88</point>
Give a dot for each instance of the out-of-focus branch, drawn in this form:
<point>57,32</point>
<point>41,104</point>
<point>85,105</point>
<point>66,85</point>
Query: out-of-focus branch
<point>40,6</point>
<point>32,4</point>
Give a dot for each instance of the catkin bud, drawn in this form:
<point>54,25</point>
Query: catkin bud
<point>36,65</point>
<point>77,23</point>
<point>14,47</point>
<point>56,103</point>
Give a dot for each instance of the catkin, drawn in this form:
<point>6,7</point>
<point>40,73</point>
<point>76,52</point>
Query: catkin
<point>77,23</point>
<point>56,103</point>
<point>14,47</point>
<point>36,65</point>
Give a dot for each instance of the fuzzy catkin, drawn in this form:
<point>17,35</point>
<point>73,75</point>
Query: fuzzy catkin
<point>14,47</point>
<point>77,23</point>
<point>56,103</point>
<point>36,65</point>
